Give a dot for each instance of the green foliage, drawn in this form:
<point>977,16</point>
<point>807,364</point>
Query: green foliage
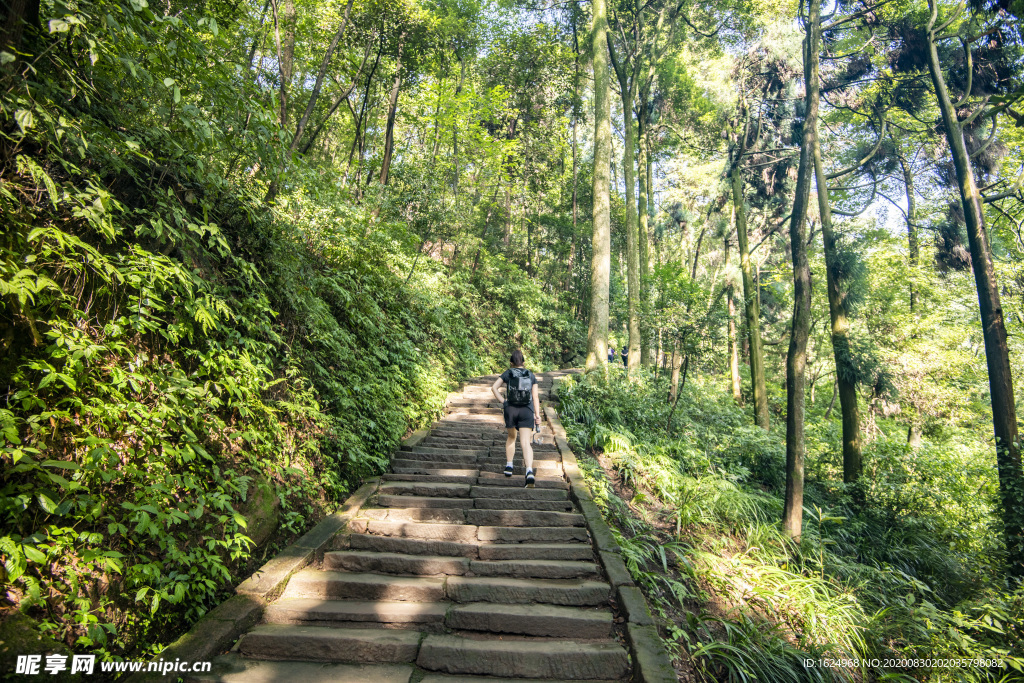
<point>169,342</point>
<point>912,574</point>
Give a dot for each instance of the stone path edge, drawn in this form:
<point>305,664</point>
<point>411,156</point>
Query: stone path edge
<point>651,661</point>
<point>223,625</point>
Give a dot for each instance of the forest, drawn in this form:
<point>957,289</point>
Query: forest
<point>248,246</point>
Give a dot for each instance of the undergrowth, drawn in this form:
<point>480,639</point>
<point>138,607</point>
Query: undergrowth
<point>171,346</point>
<point>913,575</point>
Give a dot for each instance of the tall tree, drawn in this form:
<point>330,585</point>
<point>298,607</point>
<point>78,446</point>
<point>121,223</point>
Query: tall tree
<point>600,268</point>
<point>626,75</point>
<point>751,305</point>
<point>796,358</point>
<point>997,355</point>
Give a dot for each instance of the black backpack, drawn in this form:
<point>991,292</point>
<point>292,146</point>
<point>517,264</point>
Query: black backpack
<point>519,387</point>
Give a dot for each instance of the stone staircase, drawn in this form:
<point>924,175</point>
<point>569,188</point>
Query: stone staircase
<point>452,574</point>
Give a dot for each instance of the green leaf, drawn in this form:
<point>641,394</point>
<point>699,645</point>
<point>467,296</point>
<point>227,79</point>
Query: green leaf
<point>6,57</point>
<point>177,95</point>
<point>59,26</point>
<point>24,118</point>
<point>62,464</point>
<point>34,554</point>
<point>46,503</point>
<point>168,82</point>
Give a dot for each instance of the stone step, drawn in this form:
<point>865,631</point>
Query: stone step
<point>416,514</point>
<point>541,470</point>
<point>473,549</point>
<point>523,658</point>
<point>385,500</point>
<point>334,585</point>
<point>531,620</point>
<point>451,455</point>
<point>473,455</point>
<point>497,464</point>
<point>457,431</point>
<point>428,478</point>
<point>364,561</point>
<point>480,401</point>
<point>500,589</point>
<point>488,418</point>
<point>337,612</point>
<point>483,428</point>
<point>499,479</point>
<point>523,518</point>
<point>533,534</point>
<point>535,569</point>
<point>461,444</point>
<point>536,551</point>
<point>518,492</point>
<point>330,585</point>
<point>418,468</point>
<point>414,546</point>
<point>498,461</point>
<point>396,563</point>
<point>521,504</point>
<point>468,533</point>
<point>455,533</point>
<point>461,452</point>
<point>232,668</point>
<point>466,444</point>
<point>487,479</point>
<point>343,645</point>
<point>425,488</point>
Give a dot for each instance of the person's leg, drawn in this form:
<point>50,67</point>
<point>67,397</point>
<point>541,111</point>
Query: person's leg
<point>510,445</point>
<point>524,438</point>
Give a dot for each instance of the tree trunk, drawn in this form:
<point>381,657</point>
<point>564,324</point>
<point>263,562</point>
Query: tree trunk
<point>734,352</point>
<point>575,142</point>
<point>796,358</point>
<point>845,373</point>
<point>389,134</point>
<point>912,246</point>
<point>914,436</point>
<point>15,16</point>
<point>455,129</point>
<point>677,359</point>
<point>632,243</point>
<point>751,307</point>
<point>643,237</point>
<point>324,63</point>
<point>287,56</point>
<point>1004,415</point>
<point>600,270</point>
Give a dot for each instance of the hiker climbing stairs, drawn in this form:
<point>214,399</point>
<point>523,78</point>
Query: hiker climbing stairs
<point>452,572</point>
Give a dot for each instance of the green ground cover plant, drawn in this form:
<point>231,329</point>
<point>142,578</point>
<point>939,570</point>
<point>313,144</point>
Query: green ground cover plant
<point>911,574</point>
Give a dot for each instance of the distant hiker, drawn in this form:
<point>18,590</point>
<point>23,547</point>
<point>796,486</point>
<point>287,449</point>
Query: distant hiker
<point>521,410</point>
<point>611,354</point>
<point>625,356</point>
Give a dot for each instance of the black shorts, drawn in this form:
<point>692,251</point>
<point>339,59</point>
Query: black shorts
<point>518,417</point>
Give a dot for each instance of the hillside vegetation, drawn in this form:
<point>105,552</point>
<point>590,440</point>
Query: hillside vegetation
<point>910,575</point>
<point>179,357</point>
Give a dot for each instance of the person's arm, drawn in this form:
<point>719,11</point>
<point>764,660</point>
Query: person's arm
<point>498,384</point>
<point>536,403</point>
